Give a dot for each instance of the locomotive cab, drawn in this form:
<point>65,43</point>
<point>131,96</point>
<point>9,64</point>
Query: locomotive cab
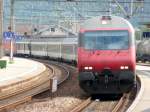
<point>106,56</point>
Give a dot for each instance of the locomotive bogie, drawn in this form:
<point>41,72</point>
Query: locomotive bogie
<point>116,82</point>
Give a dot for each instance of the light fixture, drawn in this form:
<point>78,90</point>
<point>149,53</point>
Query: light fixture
<point>88,68</point>
<point>126,67</point>
<point>121,67</point>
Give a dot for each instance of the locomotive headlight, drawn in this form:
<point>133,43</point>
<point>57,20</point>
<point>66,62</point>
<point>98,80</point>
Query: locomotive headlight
<point>121,67</point>
<point>126,67</point>
<point>90,68</point>
<point>104,22</point>
<point>105,19</point>
<point>86,68</point>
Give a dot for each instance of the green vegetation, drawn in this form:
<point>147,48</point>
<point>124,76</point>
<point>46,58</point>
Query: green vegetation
<point>3,63</point>
<point>11,62</point>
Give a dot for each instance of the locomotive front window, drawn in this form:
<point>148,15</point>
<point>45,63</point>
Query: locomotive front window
<point>105,40</point>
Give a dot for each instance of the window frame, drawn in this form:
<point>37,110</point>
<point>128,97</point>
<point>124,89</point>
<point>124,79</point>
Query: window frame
<point>81,39</point>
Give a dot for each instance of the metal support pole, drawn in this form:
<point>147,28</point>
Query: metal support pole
<point>1,28</point>
<point>11,51</point>
<point>110,11</point>
<point>11,30</point>
<point>131,13</point>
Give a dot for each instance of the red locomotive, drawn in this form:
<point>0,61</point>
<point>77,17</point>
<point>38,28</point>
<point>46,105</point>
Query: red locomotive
<point>106,55</point>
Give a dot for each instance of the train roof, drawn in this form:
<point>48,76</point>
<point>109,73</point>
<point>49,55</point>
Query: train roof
<point>106,22</point>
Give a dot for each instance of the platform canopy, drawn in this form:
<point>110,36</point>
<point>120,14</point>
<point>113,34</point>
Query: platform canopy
<point>31,14</point>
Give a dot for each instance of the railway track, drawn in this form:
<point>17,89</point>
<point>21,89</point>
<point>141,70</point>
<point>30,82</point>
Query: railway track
<point>120,105</point>
<point>25,96</point>
<point>56,65</point>
<point>70,98</point>
<point>90,105</point>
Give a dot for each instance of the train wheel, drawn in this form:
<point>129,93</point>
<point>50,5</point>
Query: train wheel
<point>89,83</point>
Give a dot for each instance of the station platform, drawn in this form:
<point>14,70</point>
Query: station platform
<point>142,100</point>
<point>20,76</point>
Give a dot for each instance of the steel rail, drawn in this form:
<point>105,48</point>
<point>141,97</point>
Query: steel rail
<point>125,97</point>
<point>65,69</point>
<point>120,103</point>
<point>81,106</point>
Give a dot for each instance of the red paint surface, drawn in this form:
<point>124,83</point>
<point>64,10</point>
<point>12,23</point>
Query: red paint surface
<point>101,59</point>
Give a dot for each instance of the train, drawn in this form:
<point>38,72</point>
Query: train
<point>107,55</point>
<point>62,49</point>
<point>104,52</point>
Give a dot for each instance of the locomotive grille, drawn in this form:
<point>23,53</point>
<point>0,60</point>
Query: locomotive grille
<point>107,72</point>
